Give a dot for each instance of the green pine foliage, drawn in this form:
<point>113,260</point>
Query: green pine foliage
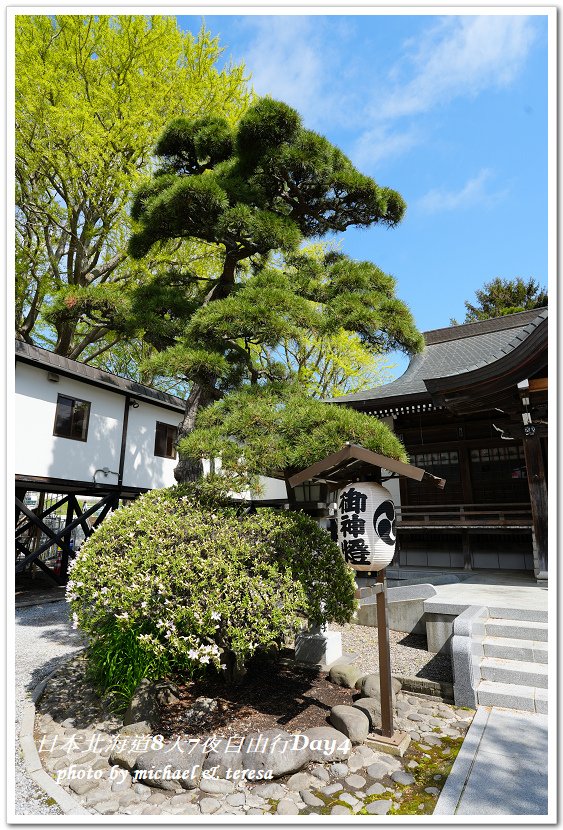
<point>278,429</point>
<point>503,296</point>
<point>182,581</point>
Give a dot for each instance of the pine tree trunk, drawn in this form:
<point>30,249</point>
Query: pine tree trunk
<point>191,469</point>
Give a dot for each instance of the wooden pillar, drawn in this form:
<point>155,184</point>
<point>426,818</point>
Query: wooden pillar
<point>386,687</point>
<point>467,490</point>
<point>538,499</point>
<point>68,539</point>
<point>20,494</point>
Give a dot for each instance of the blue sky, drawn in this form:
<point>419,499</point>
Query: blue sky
<point>451,111</point>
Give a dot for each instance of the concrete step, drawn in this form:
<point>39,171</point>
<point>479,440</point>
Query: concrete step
<point>531,651</point>
<point>523,614</point>
<point>516,629</point>
<point>512,696</point>
<point>518,672</point>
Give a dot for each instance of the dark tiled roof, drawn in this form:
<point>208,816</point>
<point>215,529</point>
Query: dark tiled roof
<point>455,350</point>
<point>72,368</point>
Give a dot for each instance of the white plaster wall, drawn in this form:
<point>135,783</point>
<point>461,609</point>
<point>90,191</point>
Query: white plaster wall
<point>142,467</point>
<point>39,453</point>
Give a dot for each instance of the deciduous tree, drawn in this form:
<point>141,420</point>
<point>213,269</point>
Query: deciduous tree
<point>92,93</point>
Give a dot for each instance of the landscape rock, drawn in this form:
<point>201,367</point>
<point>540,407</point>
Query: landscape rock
<point>272,790</point>
<point>221,758</point>
<point>402,777</point>
<point>187,768</point>
<point>301,781</point>
<point>310,799</point>
<point>321,773</point>
<point>340,810</point>
<point>80,787</point>
<point>282,754</point>
<point>217,786</point>
<point>349,720</point>
<point>209,805</point>
<point>335,745</point>
<point>356,782</point>
<point>143,706</point>
<point>371,708</point>
<point>121,784</point>
<point>380,807</point>
<point>124,758</point>
<point>338,770</point>
<point>286,807</point>
<point>141,727</point>
<point>166,693</point>
<point>369,686</point>
<point>236,799</point>
<point>362,756</point>
<point>344,675</point>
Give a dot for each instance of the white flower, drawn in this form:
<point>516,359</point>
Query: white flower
<point>204,659</point>
<point>104,590</point>
<point>215,615</point>
<point>193,654</point>
<point>75,620</point>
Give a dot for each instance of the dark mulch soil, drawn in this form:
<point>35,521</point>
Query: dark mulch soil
<point>275,694</point>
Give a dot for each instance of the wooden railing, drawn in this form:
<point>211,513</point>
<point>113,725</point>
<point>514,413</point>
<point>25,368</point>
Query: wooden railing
<point>454,516</point>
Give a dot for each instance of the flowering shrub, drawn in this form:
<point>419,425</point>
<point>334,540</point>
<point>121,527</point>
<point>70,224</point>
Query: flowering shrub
<point>177,581</point>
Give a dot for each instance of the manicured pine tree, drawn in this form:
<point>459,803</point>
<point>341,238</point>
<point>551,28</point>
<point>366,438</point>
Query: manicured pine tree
<point>253,194</point>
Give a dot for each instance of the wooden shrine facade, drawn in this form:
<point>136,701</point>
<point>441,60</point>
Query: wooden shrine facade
<point>472,408</point>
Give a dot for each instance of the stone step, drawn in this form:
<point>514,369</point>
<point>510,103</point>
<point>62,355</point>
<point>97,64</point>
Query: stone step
<point>523,614</point>
<point>518,672</point>
<point>512,696</point>
<point>516,629</point>
<point>531,651</point>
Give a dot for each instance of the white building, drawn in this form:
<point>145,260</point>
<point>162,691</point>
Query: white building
<point>80,426</point>
<point>80,433</point>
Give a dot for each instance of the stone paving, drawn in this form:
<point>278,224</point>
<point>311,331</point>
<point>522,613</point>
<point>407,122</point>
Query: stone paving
<point>87,743</point>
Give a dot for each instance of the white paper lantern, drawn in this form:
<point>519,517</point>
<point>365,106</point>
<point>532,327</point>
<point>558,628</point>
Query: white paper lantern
<point>366,526</point>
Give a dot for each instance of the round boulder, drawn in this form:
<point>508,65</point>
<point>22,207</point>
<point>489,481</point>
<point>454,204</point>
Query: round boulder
<point>275,750</point>
<point>169,767</point>
<point>369,685</point>
<point>344,675</point>
<point>349,720</point>
<point>327,744</point>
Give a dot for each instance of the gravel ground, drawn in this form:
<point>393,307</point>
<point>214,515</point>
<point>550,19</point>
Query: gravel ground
<point>43,639</point>
<point>409,654</point>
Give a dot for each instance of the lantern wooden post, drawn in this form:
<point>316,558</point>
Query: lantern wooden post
<point>385,678</point>
<point>355,466</point>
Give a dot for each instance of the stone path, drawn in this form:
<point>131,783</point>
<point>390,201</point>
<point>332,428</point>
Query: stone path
<point>515,745</point>
<point>83,751</point>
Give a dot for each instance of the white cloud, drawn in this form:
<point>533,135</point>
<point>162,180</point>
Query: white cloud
<point>381,142</point>
<point>289,58</point>
<point>473,192</point>
<point>462,56</point>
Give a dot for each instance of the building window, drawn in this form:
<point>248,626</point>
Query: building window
<point>165,440</point>
<point>441,464</point>
<point>71,418</point>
